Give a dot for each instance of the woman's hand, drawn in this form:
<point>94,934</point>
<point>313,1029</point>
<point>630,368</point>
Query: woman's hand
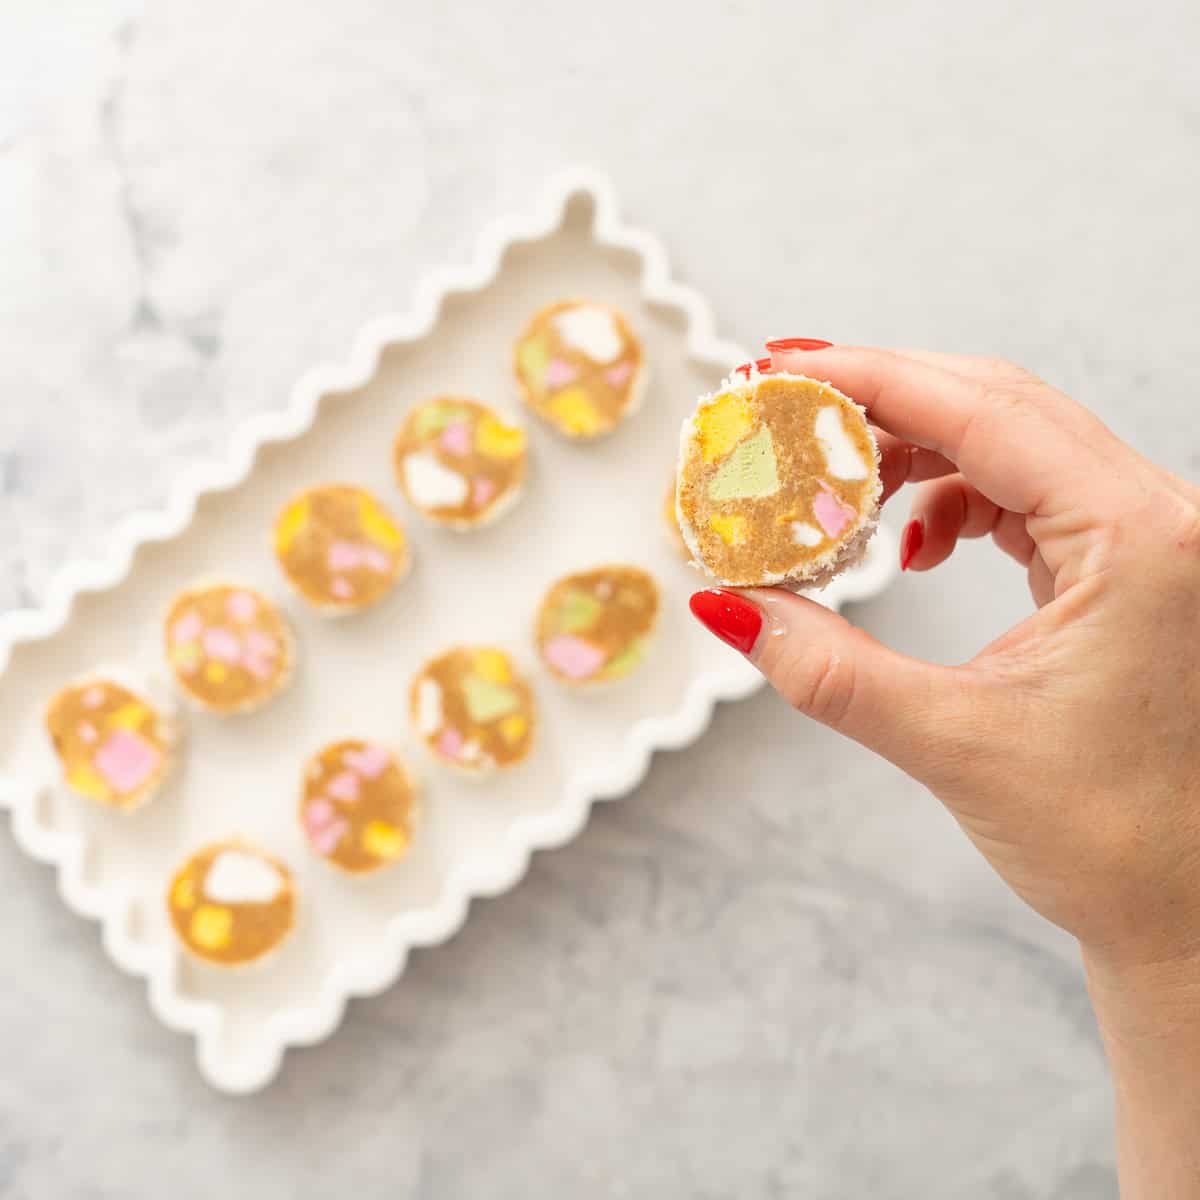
<point>1069,748</point>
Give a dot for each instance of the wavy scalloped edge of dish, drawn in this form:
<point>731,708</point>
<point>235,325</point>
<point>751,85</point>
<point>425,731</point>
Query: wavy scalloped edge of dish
<point>481,876</point>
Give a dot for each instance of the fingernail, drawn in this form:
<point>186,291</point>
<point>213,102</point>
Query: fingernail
<point>911,541</point>
<point>761,365</point>
<point>731,617</point>
<point>797,344</point>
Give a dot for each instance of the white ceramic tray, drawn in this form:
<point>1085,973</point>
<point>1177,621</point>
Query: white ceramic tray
<point>240,775</point>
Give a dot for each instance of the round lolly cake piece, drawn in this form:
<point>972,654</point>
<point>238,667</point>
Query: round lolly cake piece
<point>114,745</point>
<point>231,904</point>
<point>459,463</point>
<point>473,709</point>
<point>593,626</point>
<point>229,647</point>
<point>339,547</point>
<point>580,367</point>
<point>778,482</point>
<point>358,806</point>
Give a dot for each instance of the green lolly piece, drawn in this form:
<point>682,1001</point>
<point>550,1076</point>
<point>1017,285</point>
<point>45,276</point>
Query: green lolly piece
<point>487,701</point>
<point>749,472</point>
<point>532,357</point>
<point>624,660</point>
<point>578,612</point>
<point>433,418</point>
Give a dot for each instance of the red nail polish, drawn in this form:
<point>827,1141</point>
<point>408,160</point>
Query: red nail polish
<point>911,541</point>
<point>730,616</point>
<point>797,344</point>
<point>762,365</point>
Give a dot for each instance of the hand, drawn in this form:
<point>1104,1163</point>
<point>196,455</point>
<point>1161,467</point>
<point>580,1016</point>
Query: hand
<point>1068,749</point>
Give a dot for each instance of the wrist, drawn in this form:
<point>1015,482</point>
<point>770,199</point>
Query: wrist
<point>1144,1001</point>
<point>1149,1018</point>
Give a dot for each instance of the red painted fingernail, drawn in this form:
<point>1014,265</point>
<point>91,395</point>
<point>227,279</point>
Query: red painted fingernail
<point>730,616</point>
<point>762,365</point>
<point>911,541</point>
<point>797,344</point>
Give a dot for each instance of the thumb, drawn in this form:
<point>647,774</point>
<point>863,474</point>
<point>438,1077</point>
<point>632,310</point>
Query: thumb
<point>913,713</point>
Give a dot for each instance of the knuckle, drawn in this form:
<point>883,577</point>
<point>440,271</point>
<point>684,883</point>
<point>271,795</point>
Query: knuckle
<point>1000,403</point>
<point>1006,397</point>
<point>822,685</point>
<point>1182,523</point>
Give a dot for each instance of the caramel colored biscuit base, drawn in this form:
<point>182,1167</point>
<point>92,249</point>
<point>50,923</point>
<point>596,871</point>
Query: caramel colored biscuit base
<point>229,646</point>
<point>579,365</point>
<point>230,904</point>
<point>778,477</point>
<point>358,806</point>
<point>473,709</point>
<point>114,746</point>
<point>593,625</point>
<point>339,547</point>
<point>458,462</point>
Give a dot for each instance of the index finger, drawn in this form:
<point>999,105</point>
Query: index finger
<point>1009,441</point>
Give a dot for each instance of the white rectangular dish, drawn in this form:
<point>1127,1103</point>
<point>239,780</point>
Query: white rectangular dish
<point>241,775</point>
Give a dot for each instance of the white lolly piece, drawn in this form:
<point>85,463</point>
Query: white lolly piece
<point>429,708</point>
<point>804,534</point>
<point>236,877</point>
<point>841,455</point>
<point>432,485</point>
<point>591,331</point>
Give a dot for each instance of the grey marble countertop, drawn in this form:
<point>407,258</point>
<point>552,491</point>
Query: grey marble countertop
<point>777,969</point>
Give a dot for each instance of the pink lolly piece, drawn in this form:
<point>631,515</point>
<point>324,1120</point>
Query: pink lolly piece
<point>456,438</point>
<point>618,374</point>
<point>370,761</point>
<point>261,644</point>
<point>93,697</point>
<point>376,560</point>
<point>344,556</point>
<point>832,515</point>
<point>558,372</point>
<point>574,657</point>
<point>241,606</point>
<point>344,786</point>
<point>324,838</point>
<point>260,668</point>
<point>482,490</point>
<point>222,644</point>
<point>341,587</point>
<point>319,812</point>
<point>126,760</point>
<point>187,629</point>
<point>450,744</point>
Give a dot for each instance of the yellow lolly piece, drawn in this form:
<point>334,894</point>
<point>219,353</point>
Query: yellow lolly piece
<point>377,526</point>
<point>87,782</point>
<point>291,521</point>
<point>512,729</point>
<point>722,424</point>
<point>730,529</point>
<point>211,927</point>
<point>574,411</point>
<point>497,440</point>
<point>216,672</point>
<point>184,893</point>
<point>492,666</point>
<point>186,656</point>
<point>128,716</point>
<point>532,357</point>
<point>383,840</point>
